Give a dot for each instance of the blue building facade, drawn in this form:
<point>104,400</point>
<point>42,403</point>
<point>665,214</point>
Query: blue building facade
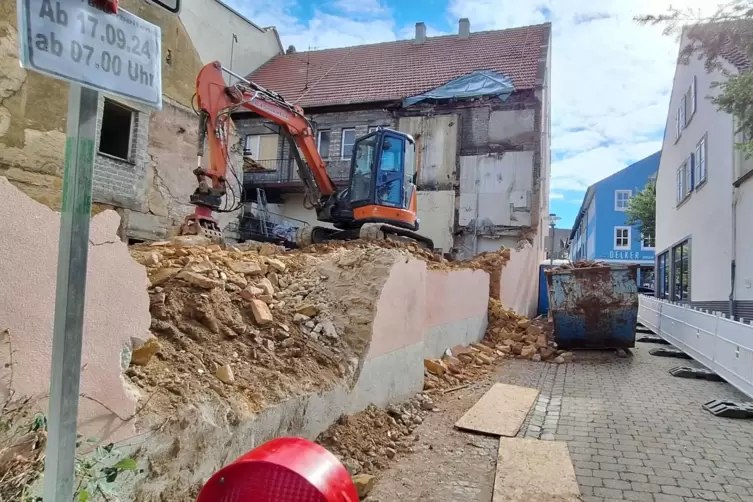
<point>600,232</point>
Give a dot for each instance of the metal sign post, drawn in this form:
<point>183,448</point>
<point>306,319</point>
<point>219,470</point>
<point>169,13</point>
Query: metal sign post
<point>121,55</point>
<point>70,293</point>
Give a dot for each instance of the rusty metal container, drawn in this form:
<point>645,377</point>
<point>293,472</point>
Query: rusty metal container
<point>594,307</point>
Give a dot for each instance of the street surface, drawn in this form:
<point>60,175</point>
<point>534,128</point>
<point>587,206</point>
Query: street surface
<point>634,433</point>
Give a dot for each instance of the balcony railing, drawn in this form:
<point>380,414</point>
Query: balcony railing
<point>268,173</point>
<point>268,226</point>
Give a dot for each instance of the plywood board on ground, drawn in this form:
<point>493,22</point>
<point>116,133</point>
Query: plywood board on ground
<point>530,470</point>
<point>500,411</point>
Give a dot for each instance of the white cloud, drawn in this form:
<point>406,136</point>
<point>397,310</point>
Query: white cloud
<point>325,29</point>
<point>556,195</point>
<point>370,7</point>
<point>611,79</point>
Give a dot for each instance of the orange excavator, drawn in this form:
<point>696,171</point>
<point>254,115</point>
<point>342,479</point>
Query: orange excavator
<point>379,201</point>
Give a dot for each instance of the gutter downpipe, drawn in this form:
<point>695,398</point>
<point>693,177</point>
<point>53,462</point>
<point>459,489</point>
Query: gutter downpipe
<point>734,254</point>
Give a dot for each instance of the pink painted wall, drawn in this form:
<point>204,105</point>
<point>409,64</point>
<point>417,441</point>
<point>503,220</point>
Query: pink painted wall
<point>454,296</point>
<point>520,281</point>
<point>399,319</point>
<point>116,310</point>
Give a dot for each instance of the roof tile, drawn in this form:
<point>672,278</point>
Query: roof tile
<point>397,70</point>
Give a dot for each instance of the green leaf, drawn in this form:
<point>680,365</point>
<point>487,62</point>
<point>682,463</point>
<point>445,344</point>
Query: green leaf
<point>126,464</point>
<point>83,495</point>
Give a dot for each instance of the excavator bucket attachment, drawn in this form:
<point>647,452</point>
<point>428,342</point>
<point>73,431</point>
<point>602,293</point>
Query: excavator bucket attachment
<point>202,223</point>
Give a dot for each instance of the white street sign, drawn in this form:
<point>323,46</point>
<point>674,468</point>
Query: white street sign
<point>118,54</point>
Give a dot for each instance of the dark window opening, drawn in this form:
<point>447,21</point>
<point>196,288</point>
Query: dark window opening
<point>663,277</point>
<point>681,272</point>
<point>115,135</point>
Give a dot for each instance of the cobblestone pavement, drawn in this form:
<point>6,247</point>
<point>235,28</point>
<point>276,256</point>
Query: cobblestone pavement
<point>634,433</point>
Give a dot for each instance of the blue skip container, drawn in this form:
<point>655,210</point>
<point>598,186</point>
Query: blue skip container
<point>594,307</point>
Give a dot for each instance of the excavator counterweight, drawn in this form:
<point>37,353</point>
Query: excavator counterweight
<point>379,201</point>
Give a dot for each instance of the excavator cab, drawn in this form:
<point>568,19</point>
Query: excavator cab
<point>383,179</point>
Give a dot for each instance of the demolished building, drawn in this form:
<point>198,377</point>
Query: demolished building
<point>476,103</point>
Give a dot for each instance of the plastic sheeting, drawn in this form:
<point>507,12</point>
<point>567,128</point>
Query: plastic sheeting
<point>478,83</point>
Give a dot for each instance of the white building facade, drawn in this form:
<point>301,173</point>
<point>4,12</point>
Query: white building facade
<point>704,201</point>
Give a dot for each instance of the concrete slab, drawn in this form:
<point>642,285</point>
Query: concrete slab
<point>529,470</point>
<point>501,411</point>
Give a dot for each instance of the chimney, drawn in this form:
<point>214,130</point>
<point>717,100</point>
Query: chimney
<point>464,28</point>
<point>291,49</point>
<point>420,33</point>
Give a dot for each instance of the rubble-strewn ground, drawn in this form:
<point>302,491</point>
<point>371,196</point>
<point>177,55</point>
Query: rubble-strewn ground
<point>366,442</point>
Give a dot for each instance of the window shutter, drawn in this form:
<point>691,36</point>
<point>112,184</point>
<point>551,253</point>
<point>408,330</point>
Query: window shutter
<point>689,174</point>
<point>677,125</point>
<point>693,99</point>
<point>679,184</point>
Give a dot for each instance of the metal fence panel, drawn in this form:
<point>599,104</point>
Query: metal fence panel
<point>723,345</point>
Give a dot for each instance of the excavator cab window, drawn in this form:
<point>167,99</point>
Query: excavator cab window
<point>382,170</point>
<point>361,180</point>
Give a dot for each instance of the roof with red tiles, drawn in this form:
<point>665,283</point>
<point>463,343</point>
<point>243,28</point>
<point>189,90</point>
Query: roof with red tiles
<point>396,70</point>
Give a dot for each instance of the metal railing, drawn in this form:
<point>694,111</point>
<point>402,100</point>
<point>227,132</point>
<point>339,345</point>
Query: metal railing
<point>281,171</point>
<point>723,345</point>
<point>272,226</point>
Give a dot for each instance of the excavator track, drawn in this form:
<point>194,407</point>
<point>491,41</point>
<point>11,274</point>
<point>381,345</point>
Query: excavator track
<point>379,231</point>
<point>367,232</point>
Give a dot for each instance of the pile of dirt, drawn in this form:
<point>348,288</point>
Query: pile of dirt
<point>253,325</point>
<point>366,441</point>
<point>580,264</point>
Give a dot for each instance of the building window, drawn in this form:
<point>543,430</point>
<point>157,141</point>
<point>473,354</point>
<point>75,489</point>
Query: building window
<point>684,180</point>
<point>681,272</point>
<point>322,142</point>
<point>348,140</point>
<point>117,128</point>
<point>621,198</point>
<point>622,238</point>
<point>700,162</point>
<point>662,276</point>
<point>647,241</point>
<point>262,147</point>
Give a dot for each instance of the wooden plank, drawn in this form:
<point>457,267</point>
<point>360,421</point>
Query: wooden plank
<point>530,470</point>
<point>500,411</point>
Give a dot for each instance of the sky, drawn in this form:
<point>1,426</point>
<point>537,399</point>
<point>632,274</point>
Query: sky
<point>611,78</point>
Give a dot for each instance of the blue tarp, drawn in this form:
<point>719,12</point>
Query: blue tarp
<point>478,83</point>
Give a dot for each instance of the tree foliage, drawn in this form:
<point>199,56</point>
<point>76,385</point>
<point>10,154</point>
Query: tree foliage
<point>641,209</point>
<point>725,35</point>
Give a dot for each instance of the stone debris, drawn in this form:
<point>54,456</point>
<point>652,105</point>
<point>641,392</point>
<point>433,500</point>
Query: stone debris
<point>272,323</point>
<point>364,484</point>
<point>143,354</point>
<point>365,442</point>
<point>225,374</point>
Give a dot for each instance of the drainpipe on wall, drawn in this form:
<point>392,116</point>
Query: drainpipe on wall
<point>732,266</point>
<point>475,224</point>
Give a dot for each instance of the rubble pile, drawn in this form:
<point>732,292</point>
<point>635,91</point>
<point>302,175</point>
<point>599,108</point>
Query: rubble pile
<point>366,441</point>
<point>521,337</point>
<point>252,324</point>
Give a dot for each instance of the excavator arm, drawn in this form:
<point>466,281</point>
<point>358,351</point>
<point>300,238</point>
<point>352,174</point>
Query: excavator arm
<point>216,102</point>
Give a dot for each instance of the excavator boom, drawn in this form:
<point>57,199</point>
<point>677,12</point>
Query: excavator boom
<point>380,199</point>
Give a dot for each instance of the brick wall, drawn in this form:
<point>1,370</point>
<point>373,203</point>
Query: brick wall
<point>121,182</point>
